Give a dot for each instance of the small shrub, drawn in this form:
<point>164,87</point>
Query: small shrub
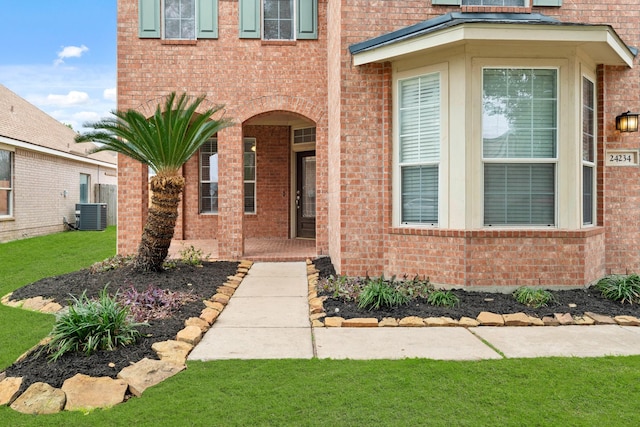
<point>92,325</point>
<point>379,293</point>
<point>192,256</point>
<point>443,298</point>
<point>342,287</point>
<point>153,303</point>
<point>535,298</point>
<point>621,288</point>
<point>112,263</point>
<point>416,288</point>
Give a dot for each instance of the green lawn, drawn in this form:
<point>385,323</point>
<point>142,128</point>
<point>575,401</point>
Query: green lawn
<point>413,392</point>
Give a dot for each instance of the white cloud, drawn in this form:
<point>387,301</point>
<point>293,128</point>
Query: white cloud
<point>86,116</point>
<point>70,52</point>
<point>74,97</point>
<point>110,94</point>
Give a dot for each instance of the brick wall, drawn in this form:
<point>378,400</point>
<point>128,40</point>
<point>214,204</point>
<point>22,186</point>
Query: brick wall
<point>39,186</point>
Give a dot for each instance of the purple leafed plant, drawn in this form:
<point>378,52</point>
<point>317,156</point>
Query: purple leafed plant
<point>153,303</point>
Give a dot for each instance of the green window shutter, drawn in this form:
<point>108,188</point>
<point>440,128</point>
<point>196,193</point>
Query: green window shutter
<point>208,19</point>
<point>250,19</point>
<point>547,2</point>
<point>149,19</point>
<point>307,20</point>
<point>446,2</point>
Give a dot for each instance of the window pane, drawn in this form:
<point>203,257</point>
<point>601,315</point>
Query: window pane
<point>249,197</point>
<point>278,19</point>
<point>493,2</point>
<point>519,118</point>
<point>419,194</point>
<point>180,19</point>
<point>5,202</point>
<point>209,176</point>
<point>84,188</point>
<point>420,119</point>
<point>519,194</point>
<point>5,169</point>
<point>587,195</point>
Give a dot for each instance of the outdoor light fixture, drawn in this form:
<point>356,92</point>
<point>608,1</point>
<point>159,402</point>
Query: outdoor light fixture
<point>627,122</point>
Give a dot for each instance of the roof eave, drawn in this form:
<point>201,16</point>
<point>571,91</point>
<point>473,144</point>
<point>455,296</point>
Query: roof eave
<point>601,41</point>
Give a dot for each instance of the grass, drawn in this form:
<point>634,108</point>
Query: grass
<point>26,261</point>
<point>507,392</point>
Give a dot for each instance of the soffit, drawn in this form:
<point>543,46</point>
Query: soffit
<point>600,42</point>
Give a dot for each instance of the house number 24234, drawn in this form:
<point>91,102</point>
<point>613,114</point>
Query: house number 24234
<point>622,158</point>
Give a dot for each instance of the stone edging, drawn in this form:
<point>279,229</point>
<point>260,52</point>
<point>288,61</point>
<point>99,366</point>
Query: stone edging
<point>319,319</point>
<point>84,393</point>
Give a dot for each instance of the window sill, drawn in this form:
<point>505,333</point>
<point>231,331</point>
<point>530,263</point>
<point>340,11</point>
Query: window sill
<point>278,42</point>
<point>7,218</point>
<point>495,9</point>
<point>499,233</point>
<point>179,42</point>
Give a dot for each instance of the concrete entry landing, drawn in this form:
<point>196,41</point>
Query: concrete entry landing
<point>270,250</point>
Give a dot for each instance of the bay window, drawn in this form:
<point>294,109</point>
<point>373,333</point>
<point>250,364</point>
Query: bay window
<point>519,145</point>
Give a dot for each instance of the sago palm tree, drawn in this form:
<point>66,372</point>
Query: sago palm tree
<point>164,142</point>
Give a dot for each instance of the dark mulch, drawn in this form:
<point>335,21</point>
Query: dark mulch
<point>202,282</point>
<point>472,303</point>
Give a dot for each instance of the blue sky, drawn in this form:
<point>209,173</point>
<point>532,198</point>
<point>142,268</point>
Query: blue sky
<point>60,55</point>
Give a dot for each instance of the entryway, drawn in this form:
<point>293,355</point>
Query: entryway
<point>305,196</point>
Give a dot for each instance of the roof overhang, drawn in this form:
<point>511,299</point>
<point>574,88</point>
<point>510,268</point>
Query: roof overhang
<point>600,42</point>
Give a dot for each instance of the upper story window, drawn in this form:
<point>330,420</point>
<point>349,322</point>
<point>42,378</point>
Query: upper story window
<point>178,19</point>
<point>494,2</point>
<point>278,19</point>
<point>6,184</point>
<point>498,3</point>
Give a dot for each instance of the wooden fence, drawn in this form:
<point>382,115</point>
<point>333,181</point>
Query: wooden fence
<point>106,193</point>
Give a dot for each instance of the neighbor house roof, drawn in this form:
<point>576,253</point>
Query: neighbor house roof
<point>23,124</point>
<point>601,41</point>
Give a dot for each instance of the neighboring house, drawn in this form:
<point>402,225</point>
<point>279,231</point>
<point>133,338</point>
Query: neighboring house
<point>473,144</point>
<point>43,172</point>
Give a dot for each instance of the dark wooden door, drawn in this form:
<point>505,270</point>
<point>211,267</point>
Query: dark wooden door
<point>306,194</point>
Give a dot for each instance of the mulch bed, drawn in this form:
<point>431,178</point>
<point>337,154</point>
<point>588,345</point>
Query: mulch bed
<point>202,282</point>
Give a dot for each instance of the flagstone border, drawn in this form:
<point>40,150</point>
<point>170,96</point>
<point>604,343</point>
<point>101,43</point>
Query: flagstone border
<point>172,354</point>
<point>319,319</point>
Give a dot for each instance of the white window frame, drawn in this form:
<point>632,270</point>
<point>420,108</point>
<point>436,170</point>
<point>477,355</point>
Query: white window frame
<point>9,189</point>
<point>209,181</point>
<point>163,22</point>
<point>443,169</point>
<point>294,24</point>
<point>585,163</point>
<point>526,160</point>
<point>253,181</point>
<point>88,177</point>
<point>479,3</point>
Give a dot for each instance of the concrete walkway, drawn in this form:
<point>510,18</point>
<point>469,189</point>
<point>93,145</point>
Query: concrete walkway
<point>268,318</point>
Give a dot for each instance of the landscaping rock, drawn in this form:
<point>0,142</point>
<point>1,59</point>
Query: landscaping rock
<point>40,398</point>
<point>221,298</point>
<point>362,322</point>
<point>147,373</point>
<point>468,322</point>
<point>317,316</point>
<point>535,321</point>
<point>627,320</point>
<point>226,290</point>
<point>316,305</point>
<point>209,315</point>
<point>516,319</point>
<point>550,321</point>
<point>200,322</point>
<point>388,322</point>
<point>172,351</point>
<point>486,318</point>
<point>191,335</point>
<point>564,318</point>
<point>600,319</point>
<point>333,322</point>
<point>584,320</point>
<point>411,321</point>
<point>84,392</point>
<point>35,303</point>
<point>51,307</point>
<point>317,324</point>
<point>9,390</point>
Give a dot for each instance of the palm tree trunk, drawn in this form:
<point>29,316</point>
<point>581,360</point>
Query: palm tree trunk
<point>161,222</point>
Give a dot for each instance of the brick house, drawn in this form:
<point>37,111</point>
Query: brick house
<point>471,143</point>
<point>43,172</point>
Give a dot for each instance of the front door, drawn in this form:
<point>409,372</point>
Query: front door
<point>306,194</point>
